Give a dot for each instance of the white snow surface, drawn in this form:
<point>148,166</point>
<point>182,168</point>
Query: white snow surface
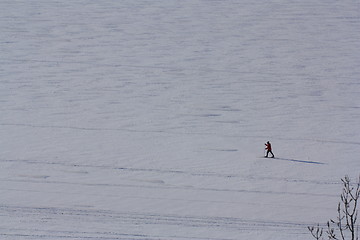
<point>146,119</point>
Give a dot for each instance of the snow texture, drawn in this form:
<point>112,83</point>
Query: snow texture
<point>146,119</point>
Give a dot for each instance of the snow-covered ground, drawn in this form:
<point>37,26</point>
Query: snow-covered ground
<point>146,119</point>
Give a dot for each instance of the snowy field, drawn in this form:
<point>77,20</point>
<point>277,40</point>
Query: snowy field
<point>146,119</point>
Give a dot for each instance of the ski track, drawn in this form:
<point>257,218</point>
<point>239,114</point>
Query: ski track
<point>239,177</point>
<point>128,219</point>
<point>196,189</point>
<point>263,73</point>
<point>177,133</point>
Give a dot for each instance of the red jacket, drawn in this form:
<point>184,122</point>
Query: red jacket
<point>268,146</point>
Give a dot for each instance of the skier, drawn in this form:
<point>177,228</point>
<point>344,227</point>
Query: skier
<point>268,148</point>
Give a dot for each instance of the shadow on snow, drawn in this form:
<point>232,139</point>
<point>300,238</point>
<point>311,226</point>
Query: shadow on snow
<point>296,160</point>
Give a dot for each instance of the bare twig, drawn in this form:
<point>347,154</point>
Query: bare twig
<point>345,223</point>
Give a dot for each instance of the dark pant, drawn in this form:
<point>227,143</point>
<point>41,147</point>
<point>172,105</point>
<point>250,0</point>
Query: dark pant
<point>269,151</point>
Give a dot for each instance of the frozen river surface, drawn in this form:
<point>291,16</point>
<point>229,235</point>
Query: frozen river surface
<point>147,119</point>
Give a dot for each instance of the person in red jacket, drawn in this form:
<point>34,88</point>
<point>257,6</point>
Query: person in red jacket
<point>269,149</point>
